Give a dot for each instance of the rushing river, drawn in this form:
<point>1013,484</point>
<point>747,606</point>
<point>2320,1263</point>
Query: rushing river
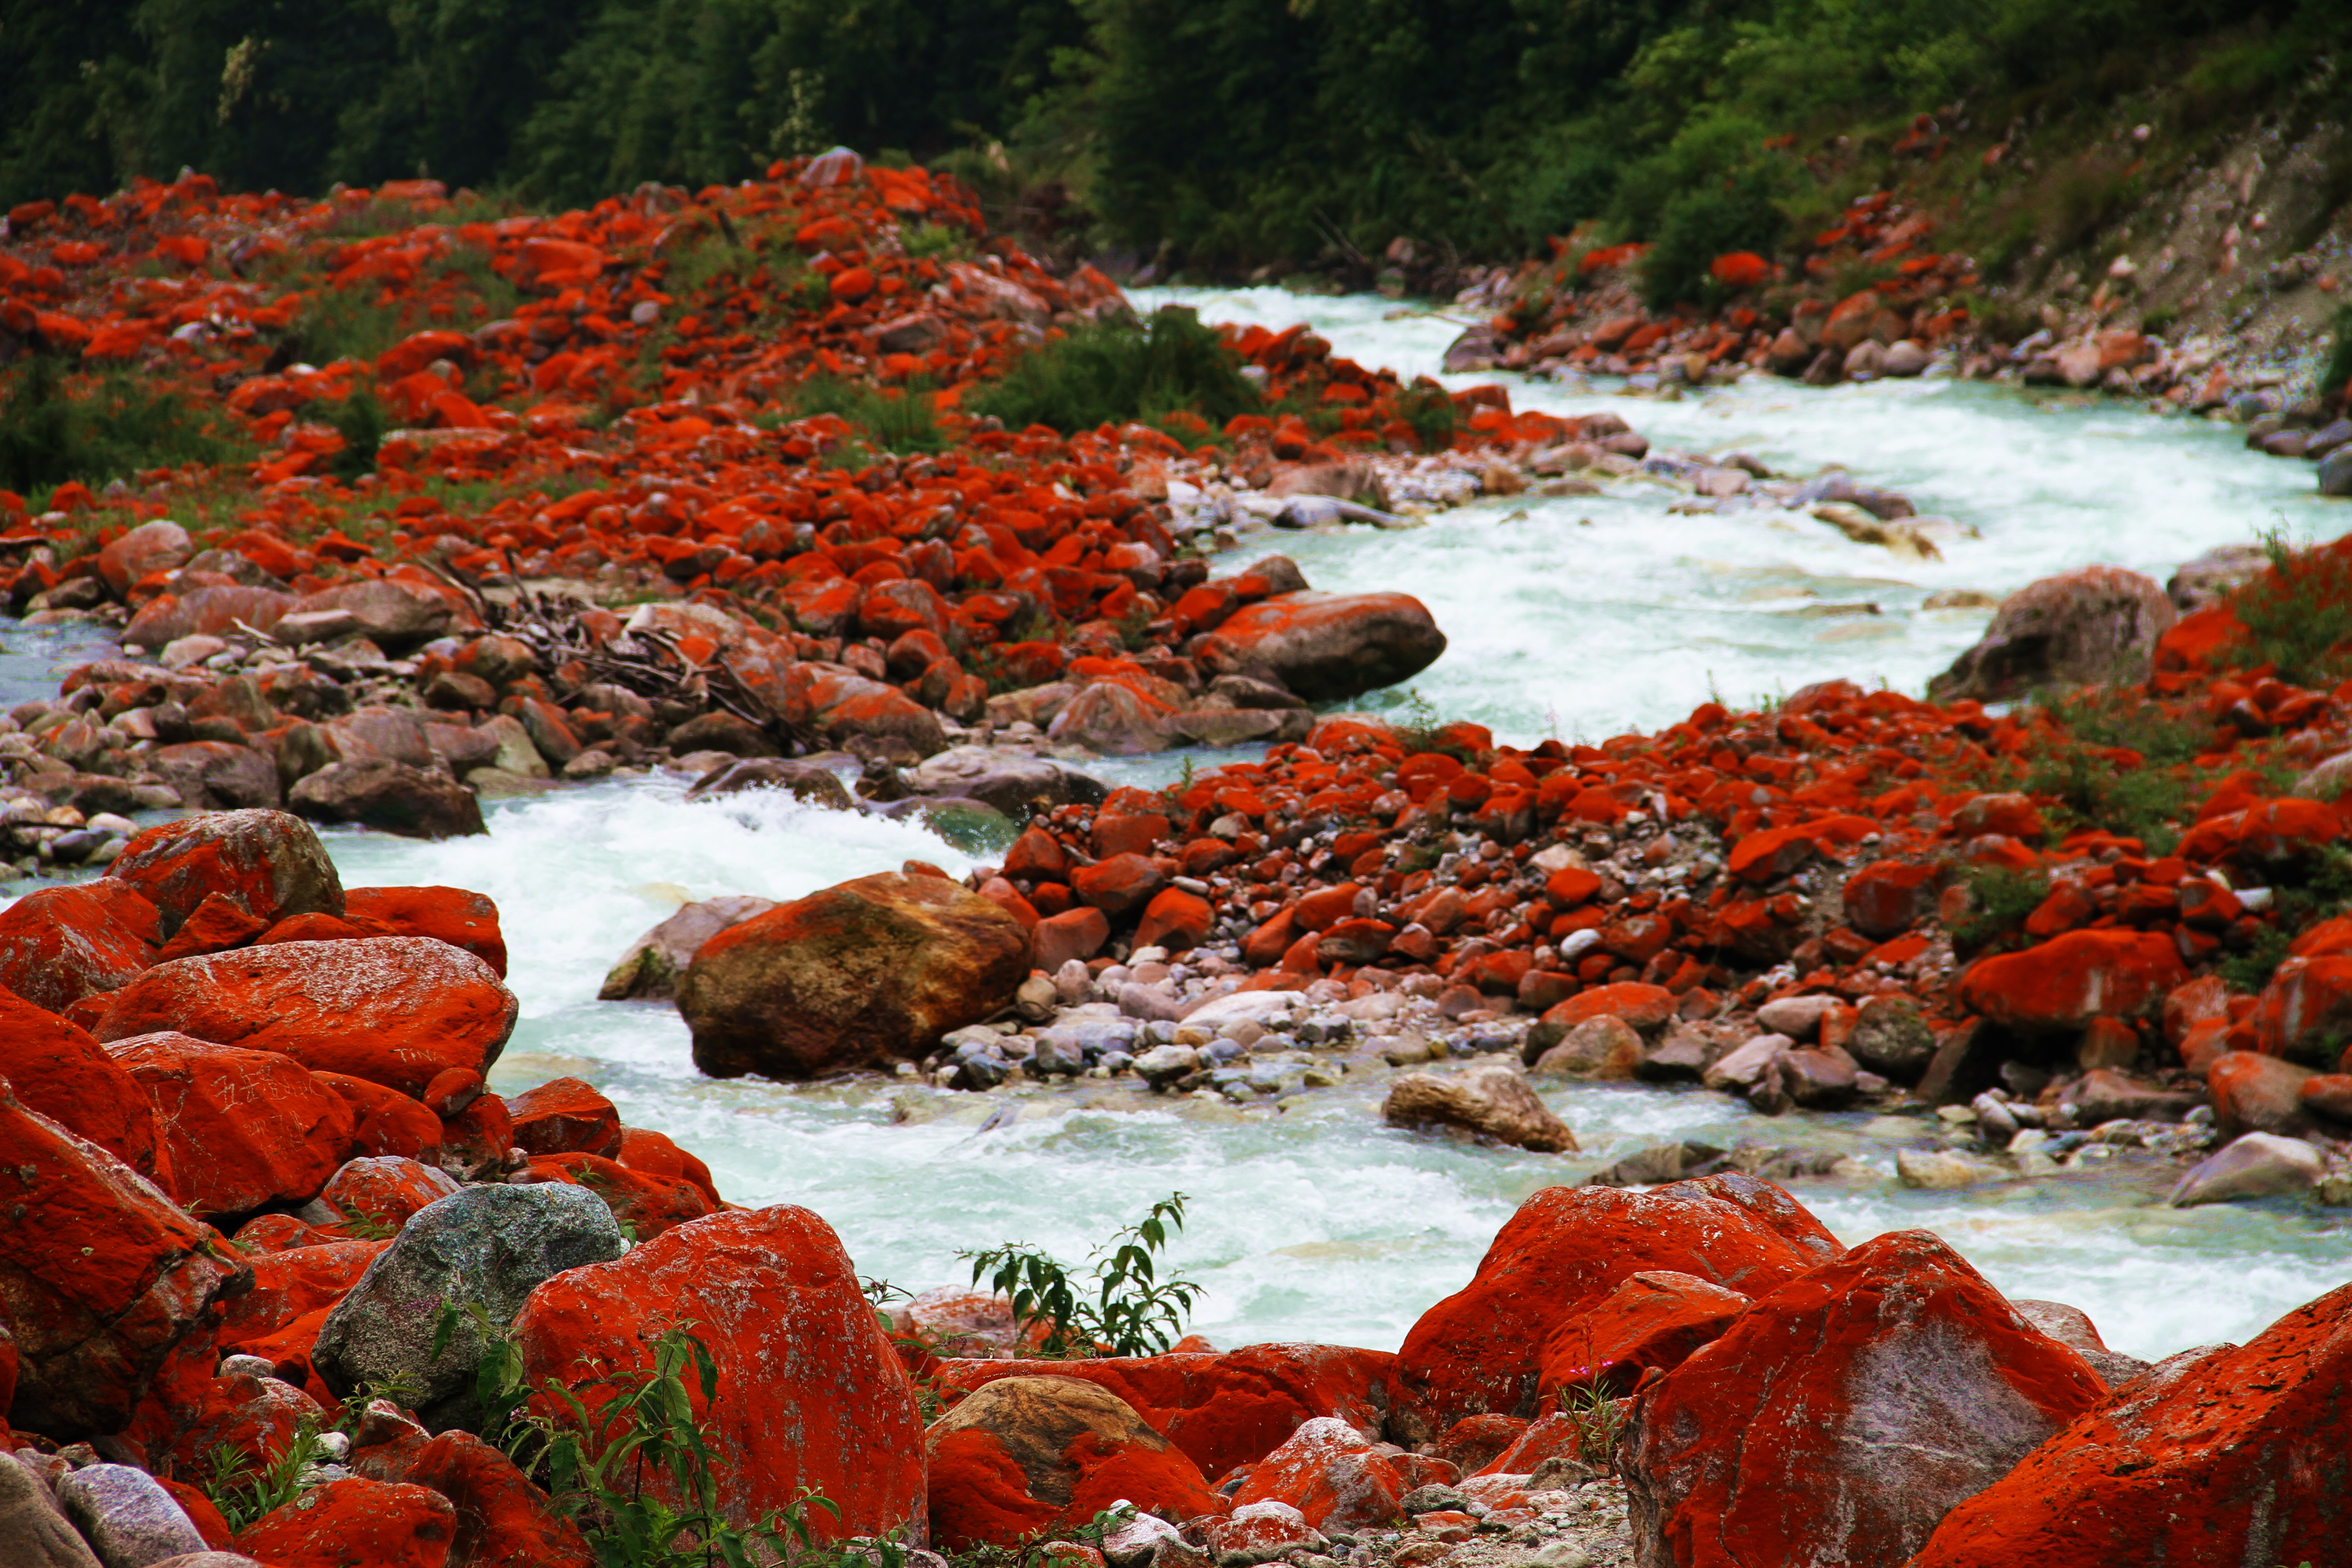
<point>1579,617</point>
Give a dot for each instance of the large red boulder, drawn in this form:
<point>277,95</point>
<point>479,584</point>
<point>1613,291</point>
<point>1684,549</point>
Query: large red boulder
<point>503,1520</point>
<point>1655,1318</point>
<point>100,1276</point>
<point>1482,1349</point>
<point>2063,984</point>
<point>1029,1455</point>
<point>1333,1475</point>
<point>384,1190</point>
<point>2306,1012</point>
<point>453,915</point>
<point>1844,1415</point>
<point>859,975</point>
<point>346,1523</point>
<point>293,1283</point>
<point>810,1392</point>
<point>2228,1454</point>
<point>564,1116</point>
<point>1223,1408</point>
<point>267,863</point>
<point>645,1204</point>
<point>1327,647</point>
<point>243,1128</point>
<point>385,1121</point>
<point>58,1071</point>
<point>61,944</point>
<point>395,1010</point>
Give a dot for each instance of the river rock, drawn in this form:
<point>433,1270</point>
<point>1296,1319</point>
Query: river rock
<point>2224,1454</point>
<point>162,545</point>
<point>100,1277</point>
<point>1023,1456</point>
<point>805,781</point>
<point>1604,1048</point>
<point>1331,1476</point>
<point>1492,1102</point>
<point>810,1392</point>
<point>126,1517</point>
<point>354,1520</point>
<point>1480,1350</point>
<point>1943,1170</point>
<point>391,615</point>
<point>2256,1165</point>
<point>858,975</point>
<point>1845,1414</point>
<point>58,946</point>
<point>34,1531</point>
<point>205,612</point>
<point>2094,625</point>
<point>1325,647</point>
<point>391,797</point>
<point>1655,1318</point>
<point>2071,1327</point>
<point>650,969</point>
<point>58,1071</point>
<point>2060,985</point>
<point>1019,786</point>
<point>270,864</point>
<point>242,1128</point>
<point>395,1010</point>
<point>2213,576</point>
<point>1890,1038</point>
<point>2256,1093</point>
<point>488,1246</point>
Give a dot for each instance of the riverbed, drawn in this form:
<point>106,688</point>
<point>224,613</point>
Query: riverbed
<point>1576,616</point>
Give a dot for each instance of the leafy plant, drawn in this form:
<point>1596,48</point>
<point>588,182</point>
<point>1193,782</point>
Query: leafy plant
<point>1998,901</point>
<point>1131,1309</point>
<point>1593,1410</point>
<point>2298,614</point>
<point>1115,370</point>
<point>56,425</point>
<point>1428,409</point>
<point>895,421</point>
<point>243,1492</point>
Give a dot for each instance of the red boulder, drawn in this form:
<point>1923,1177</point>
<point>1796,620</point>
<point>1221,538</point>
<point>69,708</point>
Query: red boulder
<point>2306,1012</point>
<point>2070,980</point>
<point>59,1071</point>
<point>1333,1475</point>
<point>453,915</point>
<point>243,1128</point>
<point>1888,898</point>
<point>61,944</point>
<point>384,1121</point>
<point>1655,1319</point>
<point>564,1116</point>
<point>384,1190</point>
<point>345,1523</point>
<point>270,864</point>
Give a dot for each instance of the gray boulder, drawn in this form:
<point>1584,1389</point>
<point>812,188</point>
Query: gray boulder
<point>2207,579</point>
<point>126,1517</point>
<point>34,1533</point>
<point>487,1247</point>
<point>649,970</point>
<point>1019,786</point>
<point>807,783</point>
<point>1325,647</point>
<point>2096,625</point>
<point>2335,472</point>
<point>2257,1165</point>
<point>2071,1327</point>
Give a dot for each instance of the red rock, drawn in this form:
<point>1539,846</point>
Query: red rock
<point>59,1071</point>
<point>2266,834</point>
<point>2009,815</point>
<point>1029,1455</point>
<point>244,1127</point>
<point>385,1121</point>
<point>1119,886</point>
<point>1325,647</point>
<point>1223,1408</point>
<point>1772,853</point>
<point>100,1277</point>
<point>1332,1474</point>
<point>453,915</point>
<point>1074,933</point>
<point>1175,920</point>
<point>1655,1319</point>
<point>294,1283</point>
<point>200,1512</point>
<point>2200,1001</point>
<point>2256,1093</point>
<point>1647,1009</point>
<point>2065,983</point>
<point>158,546</point>
<point>254,1418</point>
<point>1036,855</point>
<point>2224,1454</point>
<point>503,1520</point>
<point>646,1204</point>
<point>393,1010</point>
<point>60,945</point>
<point>2306,1009</point>
<point>1844,1415</point>
<point>1472,1443</point>
<point>657,1155</point>
<point>2328,1095</point>
<point>216,925</point>
<point>809,1392</point>
<point>386,1190</point>
<point>270,864</point>
<point>1888,898</point>
<point>1480,1350</point>
<point>348,1523</point>
<point>1556,1436</point>
<point>564,1116</point>
<point>480,1136</point>
<point>1570,886</point>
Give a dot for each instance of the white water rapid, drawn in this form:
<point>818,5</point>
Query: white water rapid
<point>1318,1223</point>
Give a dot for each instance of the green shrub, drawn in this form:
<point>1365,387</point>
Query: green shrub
<point>1998,901</point>
<point>1133,1311</point>
<point>1428,409</point>
<point>1114,372</point>
<point>56,425</point>
<point>2299,613</point>
<point>903,420</point>
<point>2336,375</point>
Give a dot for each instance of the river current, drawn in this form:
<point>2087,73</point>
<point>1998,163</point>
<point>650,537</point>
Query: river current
<point>1581,617</point>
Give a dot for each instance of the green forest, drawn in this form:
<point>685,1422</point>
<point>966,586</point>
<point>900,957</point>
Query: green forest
<point>1230,134</point>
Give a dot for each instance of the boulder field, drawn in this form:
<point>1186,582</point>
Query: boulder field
<point>218,1248</point>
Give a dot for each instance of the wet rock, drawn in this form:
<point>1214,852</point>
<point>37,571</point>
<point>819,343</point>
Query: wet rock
<point>1492,1102</point>
<point>270,864</point>
<point>1894,1380</point>
<point>857,975</point>
<point>2105,1095</point>
<point>394,1010</point>
<point>1943,1170</point>
<point>2254,1165</point>
<point>126,1517</point>
<point>1325,647</point>
<point>34,1531</point>
<point>2096,624</point>
<point>2224,1454</point>
<point>809,1394</point>
<point>650,969</point>
<point>804,782</point>
<point>242,1128</point>
<point>1028,1454</point>
<point>100,1276</point>
<point>1481,1349</point>
<point>488,1246</point>
<point>2071,1327</point>
<point>1604,1048</point>
<point>391,797</point>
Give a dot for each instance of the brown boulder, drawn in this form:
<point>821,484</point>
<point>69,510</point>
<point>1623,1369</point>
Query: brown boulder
<point>1492,1102</point>
<point>2093,624</point>
<point>267,863</point>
